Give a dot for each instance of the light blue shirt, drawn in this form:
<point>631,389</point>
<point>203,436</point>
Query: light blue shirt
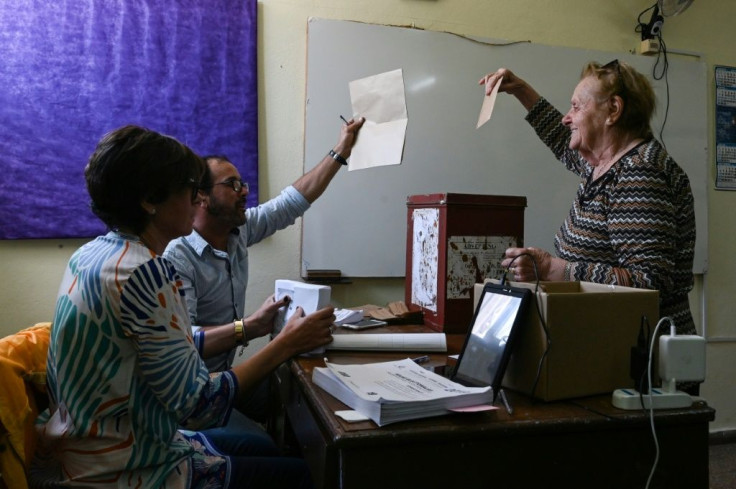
<point>214,281</point>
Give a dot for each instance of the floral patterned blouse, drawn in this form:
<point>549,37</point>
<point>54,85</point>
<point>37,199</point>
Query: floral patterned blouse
<point>124,376</point>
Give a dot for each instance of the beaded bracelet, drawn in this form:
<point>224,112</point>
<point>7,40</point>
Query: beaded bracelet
<point>568,269</point>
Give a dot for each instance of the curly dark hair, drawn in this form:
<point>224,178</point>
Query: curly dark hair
<point>133,164</point>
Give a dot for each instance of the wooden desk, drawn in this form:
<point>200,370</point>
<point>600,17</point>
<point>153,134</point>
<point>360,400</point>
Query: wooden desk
<point>580,443</point>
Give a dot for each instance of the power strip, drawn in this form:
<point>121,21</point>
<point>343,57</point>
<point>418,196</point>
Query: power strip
<point>631,399</point>
<point>681,358</point>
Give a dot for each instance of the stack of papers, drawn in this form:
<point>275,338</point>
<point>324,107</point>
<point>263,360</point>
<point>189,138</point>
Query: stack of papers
<point>389,392</point>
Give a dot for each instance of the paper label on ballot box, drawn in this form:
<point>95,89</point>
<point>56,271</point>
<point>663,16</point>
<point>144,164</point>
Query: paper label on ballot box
<point>425,262</point>
<point>470,259</point>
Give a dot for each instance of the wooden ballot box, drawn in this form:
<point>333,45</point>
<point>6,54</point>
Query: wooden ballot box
<point>452,242</point>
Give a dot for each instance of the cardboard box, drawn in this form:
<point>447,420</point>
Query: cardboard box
<point>592,328</point>
<point>452,242</point>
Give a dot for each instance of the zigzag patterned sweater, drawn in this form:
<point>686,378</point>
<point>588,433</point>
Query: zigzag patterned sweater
<point>634,226</point>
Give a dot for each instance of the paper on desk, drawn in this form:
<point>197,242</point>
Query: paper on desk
<point>347,316</point>
<point>390,341</point>
<point>380,99</point>
<point>486,110</point>
<point>352,416</point>
<point>398,381</point>
<point>389,392</point>
<point>475,409</point>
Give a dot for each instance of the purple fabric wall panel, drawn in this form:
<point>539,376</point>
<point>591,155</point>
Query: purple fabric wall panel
<point>72,70</point>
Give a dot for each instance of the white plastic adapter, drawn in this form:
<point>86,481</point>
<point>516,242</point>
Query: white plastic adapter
<point>681,359</point>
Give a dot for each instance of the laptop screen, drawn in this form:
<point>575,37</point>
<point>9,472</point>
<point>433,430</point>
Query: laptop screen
<point>487,349</point>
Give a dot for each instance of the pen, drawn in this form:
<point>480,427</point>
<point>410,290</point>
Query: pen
<point>422,359</point>
<point>343,119</point>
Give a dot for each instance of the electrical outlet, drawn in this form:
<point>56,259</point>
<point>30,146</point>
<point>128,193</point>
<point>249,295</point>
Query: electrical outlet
<point>649,46</point>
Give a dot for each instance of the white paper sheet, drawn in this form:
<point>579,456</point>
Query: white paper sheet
<point>381,100</point>
<point>486,110</point>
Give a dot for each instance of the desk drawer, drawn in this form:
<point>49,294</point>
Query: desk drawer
<point>313,444</point>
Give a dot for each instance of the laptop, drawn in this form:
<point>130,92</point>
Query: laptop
<point>496,323</point>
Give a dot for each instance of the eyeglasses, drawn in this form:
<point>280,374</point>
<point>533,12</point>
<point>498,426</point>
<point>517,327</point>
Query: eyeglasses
<point>236,185</point>
<point>619,77</point>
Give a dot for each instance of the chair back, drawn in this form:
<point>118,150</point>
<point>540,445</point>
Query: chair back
<point>22,397</point>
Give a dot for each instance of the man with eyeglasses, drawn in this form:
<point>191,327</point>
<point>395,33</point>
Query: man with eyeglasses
<point>213,264</point>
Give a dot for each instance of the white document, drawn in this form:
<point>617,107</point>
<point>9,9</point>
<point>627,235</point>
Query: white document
<point>348,316</point>
<point>486,110</point>
<point>390,341</point>
<point>388,392</point>
<point>425,265</point>
<point>381,100</point>
<point>352,416</point>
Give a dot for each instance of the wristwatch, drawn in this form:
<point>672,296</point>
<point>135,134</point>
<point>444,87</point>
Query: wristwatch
<point>338,157</point>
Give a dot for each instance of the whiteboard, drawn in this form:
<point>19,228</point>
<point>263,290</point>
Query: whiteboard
<point>359,224</point>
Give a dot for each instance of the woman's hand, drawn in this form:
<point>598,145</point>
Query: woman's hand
<point>522,263</point>
<point>512,84</point>
<point>305,333</point>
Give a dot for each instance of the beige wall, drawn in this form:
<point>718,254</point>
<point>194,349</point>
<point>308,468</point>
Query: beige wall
<point>31,270</point>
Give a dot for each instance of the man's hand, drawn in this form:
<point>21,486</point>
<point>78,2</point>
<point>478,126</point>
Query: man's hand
<point>348,135</point>
<point>313,183</point>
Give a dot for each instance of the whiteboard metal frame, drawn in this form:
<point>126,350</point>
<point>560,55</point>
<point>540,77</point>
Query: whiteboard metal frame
<point>359,224</point>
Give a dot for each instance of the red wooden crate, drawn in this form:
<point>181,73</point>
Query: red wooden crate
<point>454,241</point>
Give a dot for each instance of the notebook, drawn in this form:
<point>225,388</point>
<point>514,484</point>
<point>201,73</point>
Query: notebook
<point>496,323</point>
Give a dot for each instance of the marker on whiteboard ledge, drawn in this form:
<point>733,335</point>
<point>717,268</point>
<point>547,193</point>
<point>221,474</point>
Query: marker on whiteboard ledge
<point>344,120</point>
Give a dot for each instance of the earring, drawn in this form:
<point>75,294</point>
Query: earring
<point>152,211</point>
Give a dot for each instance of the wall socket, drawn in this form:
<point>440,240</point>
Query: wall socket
<point>649,46</point>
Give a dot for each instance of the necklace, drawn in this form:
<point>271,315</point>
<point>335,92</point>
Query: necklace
<point>599,170</point>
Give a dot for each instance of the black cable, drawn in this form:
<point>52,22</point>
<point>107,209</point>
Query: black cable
<point>546,349</point>
<point>662,56</point>
<point>594,411</point>
<point>643,28</point>
<point>542,322</point>
<point>640,24</point>
<point>643,378</point>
